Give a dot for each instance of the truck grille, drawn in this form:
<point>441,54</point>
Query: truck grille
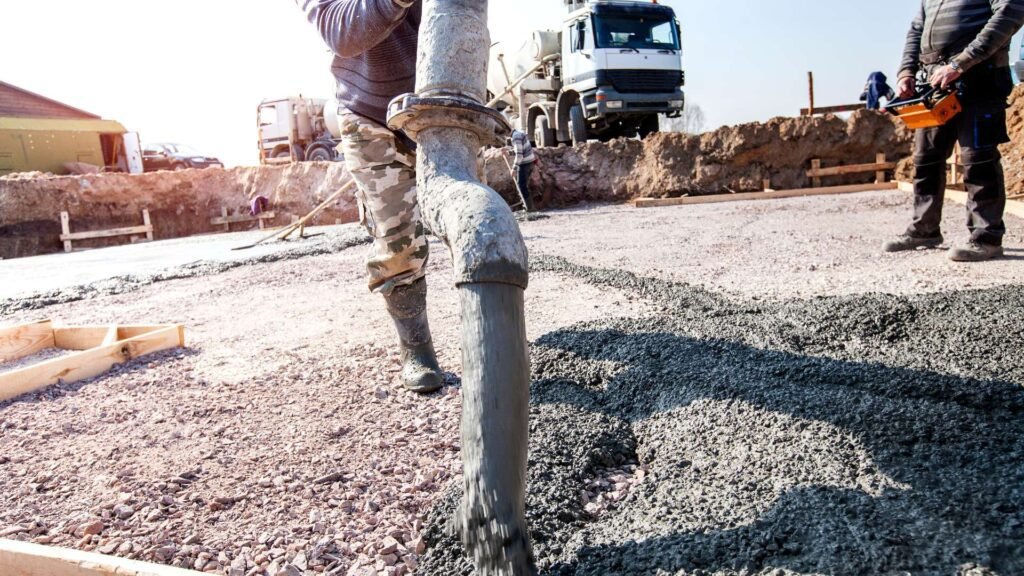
<point>645,81</point>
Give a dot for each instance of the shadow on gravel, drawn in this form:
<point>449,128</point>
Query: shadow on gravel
<point>772,460</point>
<point>858,435</point>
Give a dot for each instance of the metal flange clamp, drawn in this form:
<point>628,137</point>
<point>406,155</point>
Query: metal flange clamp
<point>411,114</point>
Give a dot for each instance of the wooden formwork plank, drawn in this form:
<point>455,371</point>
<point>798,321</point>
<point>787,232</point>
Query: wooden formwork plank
<point>224,219</point>
<point>852,169</point>
<point>719,198</point>
<point>87,337</point>
<point>88,363</point>
<point>67,236</point>
<point>24,340</point>
<point>126,231</point>
<point>1013,207</point>
<point>25,559</point>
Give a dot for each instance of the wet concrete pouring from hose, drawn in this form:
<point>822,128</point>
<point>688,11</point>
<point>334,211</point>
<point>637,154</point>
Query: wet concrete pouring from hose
<point>855,435</point>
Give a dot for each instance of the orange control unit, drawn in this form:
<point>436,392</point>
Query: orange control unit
<point>931,110</point>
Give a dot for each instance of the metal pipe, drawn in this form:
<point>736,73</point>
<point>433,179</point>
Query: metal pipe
<point>449,123</point>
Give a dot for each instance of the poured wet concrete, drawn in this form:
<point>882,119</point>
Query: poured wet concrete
<point>870,434</point>
<point>39,281</point>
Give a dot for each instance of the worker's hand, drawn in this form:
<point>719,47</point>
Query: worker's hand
<point>944,77</point>
<point>906,87</point>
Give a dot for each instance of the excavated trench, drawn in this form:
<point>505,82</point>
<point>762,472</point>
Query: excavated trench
<point>872,434</point>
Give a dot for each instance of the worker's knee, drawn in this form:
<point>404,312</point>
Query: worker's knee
<point>977,156</point>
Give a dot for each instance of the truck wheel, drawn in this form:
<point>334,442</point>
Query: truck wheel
<point>577,124</point>
<point>281,153</point>
<point>319,154</point>
<point>542,132</point>
<point>648,126</point>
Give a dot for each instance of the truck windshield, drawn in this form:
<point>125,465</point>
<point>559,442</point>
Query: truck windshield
<point>642,32</point>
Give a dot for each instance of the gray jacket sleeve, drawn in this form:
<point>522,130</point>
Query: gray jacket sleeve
<point>912,49</point>
<point>1007,19</point>
<point>351,27</point>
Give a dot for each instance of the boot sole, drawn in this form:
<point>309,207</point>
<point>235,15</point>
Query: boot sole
<point>929,245</point>
<point>974,257</point>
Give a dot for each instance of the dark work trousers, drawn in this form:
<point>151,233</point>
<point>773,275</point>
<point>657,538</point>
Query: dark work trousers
<point>980,128</point>
<point>523,181</point>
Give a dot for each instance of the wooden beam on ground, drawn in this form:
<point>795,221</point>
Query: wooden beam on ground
<point>89,363</point>
<point>24,340</point>
<point>832,109</point>
<point>25,559</point>
<point>719,198</point>
<point>1013,207</point>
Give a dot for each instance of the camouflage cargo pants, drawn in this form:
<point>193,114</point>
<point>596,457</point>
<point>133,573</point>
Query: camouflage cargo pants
<point>384,169</point>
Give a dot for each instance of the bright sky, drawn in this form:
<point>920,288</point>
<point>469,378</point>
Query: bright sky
<point>193,71</point>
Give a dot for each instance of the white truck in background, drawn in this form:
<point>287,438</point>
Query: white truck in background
<point>298,129</point>
<point>612,69</point>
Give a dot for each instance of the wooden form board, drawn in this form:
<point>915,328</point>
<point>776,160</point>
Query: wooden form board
<point>226,221</point>
<point>25,340</point>
<point>25,559</point>
<point>67,237</point>
<point>99,349</point>
<point>719,198</point>
<point>1013,207</point>
<point>879,167</point>
<point>832,109</point>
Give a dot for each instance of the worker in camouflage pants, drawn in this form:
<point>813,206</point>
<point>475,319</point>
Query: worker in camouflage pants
<point>374,44</point>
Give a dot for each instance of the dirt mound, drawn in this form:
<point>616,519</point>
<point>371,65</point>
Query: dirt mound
<point>179,203</point>
<point>1013,153</point>
<point>730,159</point>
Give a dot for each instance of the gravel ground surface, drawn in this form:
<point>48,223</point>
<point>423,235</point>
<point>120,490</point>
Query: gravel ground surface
<point>850,435</point>
<point>763,419</point>
<point>276,443</point>
<point>800,247</point>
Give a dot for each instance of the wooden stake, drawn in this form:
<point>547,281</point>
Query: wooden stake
<point>810,83</point>
<point>816,169</point>
<point>880,177</point>
<point>147,224</point>
<point>65,228</point>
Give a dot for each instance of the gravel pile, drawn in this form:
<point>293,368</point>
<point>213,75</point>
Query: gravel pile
<point>856,435</point>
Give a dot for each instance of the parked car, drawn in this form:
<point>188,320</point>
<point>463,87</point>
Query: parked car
<point>175,157</point>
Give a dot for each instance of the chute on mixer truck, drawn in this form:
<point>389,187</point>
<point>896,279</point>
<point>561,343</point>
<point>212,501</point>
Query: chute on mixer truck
<point>611,70</point>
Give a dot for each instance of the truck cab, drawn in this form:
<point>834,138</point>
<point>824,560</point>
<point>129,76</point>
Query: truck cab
<point>621,63</point>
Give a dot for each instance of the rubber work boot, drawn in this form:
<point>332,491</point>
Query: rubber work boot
<point>974,251</point>
<point>408,308</point>
<point>906,242</point>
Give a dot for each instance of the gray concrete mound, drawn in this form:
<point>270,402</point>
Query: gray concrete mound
<point>856,435</point>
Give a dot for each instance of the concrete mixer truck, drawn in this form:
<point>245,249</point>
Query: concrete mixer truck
<point>610,71</point>
<point>297,129</point>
